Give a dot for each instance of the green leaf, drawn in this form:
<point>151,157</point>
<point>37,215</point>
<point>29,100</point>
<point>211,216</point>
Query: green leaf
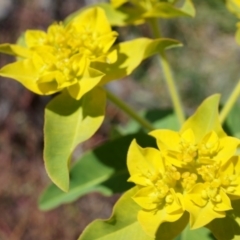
<point>169,122</point>
<point>118,3</point>
<point>225,228</point>
<point>188,8</point>
<point>122,225</point>
<point>167,10</point>
<point>232,121</point>
<point>169,230</point>
<point>69,122</point>
<point>198,234</point>
<point>205,119</point>
<point>229,227</point>
<point>124,15</point>
<point>131,54</point>
<point>108,173</point>
<point>160,119</point>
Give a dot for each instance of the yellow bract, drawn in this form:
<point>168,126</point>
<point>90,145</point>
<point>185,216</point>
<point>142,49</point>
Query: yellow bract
<point>234,7</point>
<point>62,57</point>
<point>193,171</point>
<point>183,150</point>
<point>138,11</point>
<point>157,181</point>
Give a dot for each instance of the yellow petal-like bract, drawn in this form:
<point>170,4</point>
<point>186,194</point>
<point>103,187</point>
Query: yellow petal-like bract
<point>234,7</point>
<point>138,11</point>
<point>189,172</point>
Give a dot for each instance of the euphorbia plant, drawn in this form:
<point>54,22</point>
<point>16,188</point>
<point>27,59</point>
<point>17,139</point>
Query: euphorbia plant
<point>193,177</point>
<point>185,175</point>
<point>76,59</point>
<point>77,56</point>
<point>194,171</point>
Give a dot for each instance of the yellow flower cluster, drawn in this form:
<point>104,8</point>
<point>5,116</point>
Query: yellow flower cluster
<point>199,175</point>
<point>138,11</point>
<point>63,57</point>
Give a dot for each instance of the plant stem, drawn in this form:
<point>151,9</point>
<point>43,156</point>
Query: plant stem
<point>172,88</point>
<point>155,27</point>
<point>128,110</point>
<point>230,102</point>
<point>168,75</point>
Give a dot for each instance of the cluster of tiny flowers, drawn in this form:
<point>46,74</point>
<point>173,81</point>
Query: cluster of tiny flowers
<point>200,176</point>
<point>65,56</point>
<point>64,53</point>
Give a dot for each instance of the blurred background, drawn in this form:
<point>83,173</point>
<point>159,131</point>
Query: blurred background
<point>208,63</point>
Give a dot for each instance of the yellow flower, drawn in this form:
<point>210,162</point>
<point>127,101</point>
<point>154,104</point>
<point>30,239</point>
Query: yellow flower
<point>63,56</point>
<point>184,149</point>
<point>138,11</point>
<point>204,155</point>
<point>78,56</point>
<point>194,170</point>
<point>211,198</point>
<point>157,194</point>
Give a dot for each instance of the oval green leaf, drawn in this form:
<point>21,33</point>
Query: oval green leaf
<point>232,121</point>
<point>123,223</point>
<point>227,228</point>
<point>197,234</point>
<point>108,173</point>
<point>167,10</point>
<point>131,54</point>
<point>160,119</point>
<point>69,122</point>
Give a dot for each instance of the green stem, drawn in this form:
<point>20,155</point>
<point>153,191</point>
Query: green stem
<point>172,89</point>
<point>155,27</point>
<point>168,75</point>
<point>128,110</point>
<point>230,102</point>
